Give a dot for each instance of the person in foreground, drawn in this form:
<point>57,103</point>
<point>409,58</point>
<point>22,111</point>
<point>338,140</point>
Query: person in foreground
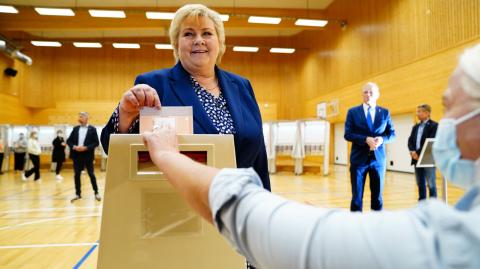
<point>431,235</point>
<point>222,102</point>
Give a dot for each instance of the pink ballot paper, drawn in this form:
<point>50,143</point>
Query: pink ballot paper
<point>179,118</point>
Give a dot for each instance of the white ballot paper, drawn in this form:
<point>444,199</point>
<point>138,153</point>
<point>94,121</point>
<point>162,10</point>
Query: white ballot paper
<point>179,118</point>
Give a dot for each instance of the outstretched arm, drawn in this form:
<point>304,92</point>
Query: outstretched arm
<point>191,179</point>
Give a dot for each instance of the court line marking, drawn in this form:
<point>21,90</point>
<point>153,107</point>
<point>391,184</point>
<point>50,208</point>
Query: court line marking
<point>48,245</point>
<point>48,209</point>
<point>85,257</point>
<point>47,220</point>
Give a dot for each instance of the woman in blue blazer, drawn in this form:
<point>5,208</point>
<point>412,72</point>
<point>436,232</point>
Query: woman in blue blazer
<point>222,102</point>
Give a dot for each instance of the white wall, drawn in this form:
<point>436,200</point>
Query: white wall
<point>340,146</point>
<point>398,157</point>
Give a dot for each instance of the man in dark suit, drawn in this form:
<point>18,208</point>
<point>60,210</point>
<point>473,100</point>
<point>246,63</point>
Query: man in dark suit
<point>82,142</point>
<point>368,127</point>
<point>426,128</point>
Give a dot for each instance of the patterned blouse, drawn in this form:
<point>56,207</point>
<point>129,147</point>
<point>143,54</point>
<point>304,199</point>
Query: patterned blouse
<point>216,108</point>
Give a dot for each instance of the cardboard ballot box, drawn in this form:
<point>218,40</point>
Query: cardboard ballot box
<point>145,223</point>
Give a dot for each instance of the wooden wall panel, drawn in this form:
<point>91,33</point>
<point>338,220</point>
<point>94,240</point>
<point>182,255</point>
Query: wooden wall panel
<point>403,88</point>
<point>69,75</point>
<point>11,109</point>
<point>382,36</point>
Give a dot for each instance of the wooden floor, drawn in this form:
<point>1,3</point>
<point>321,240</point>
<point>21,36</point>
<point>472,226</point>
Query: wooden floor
<point>40,228</point>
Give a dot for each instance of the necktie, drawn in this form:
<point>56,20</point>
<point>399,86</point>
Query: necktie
<point>369,119</point>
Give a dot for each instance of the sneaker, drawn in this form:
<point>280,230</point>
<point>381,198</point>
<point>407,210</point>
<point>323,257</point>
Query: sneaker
<point>97,197</point>
<point>38,179</point>
<point>77,197</point>
<point>59,177</point>
<point>24,178</point>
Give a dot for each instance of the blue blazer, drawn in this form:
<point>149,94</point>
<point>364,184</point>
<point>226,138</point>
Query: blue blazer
<point>174,88</point>
<point>357,131</point>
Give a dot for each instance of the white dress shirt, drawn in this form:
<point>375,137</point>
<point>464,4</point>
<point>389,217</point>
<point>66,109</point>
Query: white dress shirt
<point>275,233</point>
<point>372,111</point>
<point>82,133</point>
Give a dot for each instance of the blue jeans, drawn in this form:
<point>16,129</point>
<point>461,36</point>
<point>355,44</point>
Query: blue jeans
<point>426,176</point>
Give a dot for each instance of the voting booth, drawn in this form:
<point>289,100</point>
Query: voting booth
<point>146,224</point>
<point>298,140</point>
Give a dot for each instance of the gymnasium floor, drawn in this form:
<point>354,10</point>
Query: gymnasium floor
<point>40,228</point>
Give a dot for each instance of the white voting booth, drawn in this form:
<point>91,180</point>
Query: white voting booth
<point>145,224</point>
<point>297,139</point>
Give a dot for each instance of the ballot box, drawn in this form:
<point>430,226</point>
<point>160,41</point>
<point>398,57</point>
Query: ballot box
<point>145,223</point>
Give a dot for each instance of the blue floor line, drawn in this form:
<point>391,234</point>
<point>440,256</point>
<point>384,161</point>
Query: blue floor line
<point>85,257</point>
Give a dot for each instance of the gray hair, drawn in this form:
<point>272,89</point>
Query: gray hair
<point>425,107</point>
<point>196,10</point>
<point>470,65</point>
<point>83,113</point>
<point>371,85</point>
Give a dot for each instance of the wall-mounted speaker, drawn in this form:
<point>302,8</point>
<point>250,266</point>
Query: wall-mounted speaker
<point>10,72</point>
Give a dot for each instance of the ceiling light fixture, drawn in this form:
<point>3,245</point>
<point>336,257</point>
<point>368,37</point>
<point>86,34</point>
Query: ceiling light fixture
<point>107,13</point>
<point>245,49</point>
<point>282,50</point>
<point>87,44</point>
<point>54,11</point>
<point>8,9</point>
<point>308,22</point>
<point>163,47</point>
<point>265,20</point>
<point>126,45</point>
<point>46,43</point>
<point>224,17</point>
<point>159,15</point>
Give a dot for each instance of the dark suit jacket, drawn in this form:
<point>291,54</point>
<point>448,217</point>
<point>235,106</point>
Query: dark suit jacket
<point>91,142</point>
<point>58,152</point>
<point>429,131</point>
<point>175,89</point>
<point>357,131</point>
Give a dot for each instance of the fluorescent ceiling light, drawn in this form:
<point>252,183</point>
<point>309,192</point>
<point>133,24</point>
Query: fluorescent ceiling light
<point>266,20</point>
<point>314,23</point>
<point>163,46</point>
<point>160,15</point>
<point>8,9</point>
<point>107,13</point>
<point>126,45</point>
<point>46,43</point>
<point>224,17</point>
<point>245,49</point>
<point>282,50</point>
<point>55,11</point>
<point>87,44</point>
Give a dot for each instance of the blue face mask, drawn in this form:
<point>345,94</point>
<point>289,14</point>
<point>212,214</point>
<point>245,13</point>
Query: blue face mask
<point>460,172</point>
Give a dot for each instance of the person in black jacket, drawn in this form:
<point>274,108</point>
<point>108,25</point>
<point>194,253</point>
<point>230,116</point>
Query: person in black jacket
<point>426,128</point>
<point>58,153</point>
<point>82,143</point>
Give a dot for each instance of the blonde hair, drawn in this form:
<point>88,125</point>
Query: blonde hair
<point>196,11</point>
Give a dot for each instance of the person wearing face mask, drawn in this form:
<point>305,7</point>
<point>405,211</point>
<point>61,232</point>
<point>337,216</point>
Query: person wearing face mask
<point>34,150</point>
<point>426,128</point>
<point>431,235</point>
<point>20,148</point>
<point>222,102</point>
<point>58,153</point>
